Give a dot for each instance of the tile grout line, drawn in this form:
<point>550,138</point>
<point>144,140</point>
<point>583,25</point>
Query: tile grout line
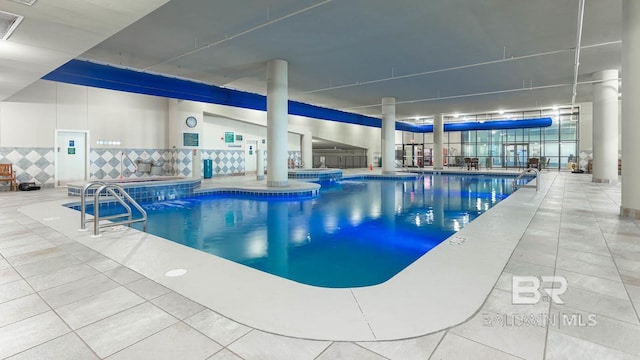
<point>369,350</point>
<point>435,348</point>
<point>615,263</point>
<point>496,282</point>
<point>54,312</point>
<point>363,314</point>
<point>555,265</point>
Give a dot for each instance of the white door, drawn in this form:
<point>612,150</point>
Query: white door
<point>71,158</point>
<point>250,150</point>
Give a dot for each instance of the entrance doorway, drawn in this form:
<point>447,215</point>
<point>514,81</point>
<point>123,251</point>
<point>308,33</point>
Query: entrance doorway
<point>413,155</point>
<point>515,155</point>
<point>250,149</point>
<point>71,156</point>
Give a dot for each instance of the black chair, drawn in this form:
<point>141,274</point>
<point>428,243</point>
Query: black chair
<point>467,162</point>
<point>475,163</point>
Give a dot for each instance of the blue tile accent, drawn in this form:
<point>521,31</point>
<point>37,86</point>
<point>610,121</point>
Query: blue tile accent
<point>152,190</point>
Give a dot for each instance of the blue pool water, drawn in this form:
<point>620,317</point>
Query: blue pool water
<point>355,233</point>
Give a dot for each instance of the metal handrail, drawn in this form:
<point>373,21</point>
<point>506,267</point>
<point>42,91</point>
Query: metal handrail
<point>110,188</point>
<point>83,203</point>
<point>515,185</point>
<point>118,193</point>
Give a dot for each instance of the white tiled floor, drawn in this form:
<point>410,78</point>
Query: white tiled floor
<point>62,300</point>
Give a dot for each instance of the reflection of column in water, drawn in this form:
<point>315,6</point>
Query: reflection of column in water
<point>438,200</point>
<point>195,224</point>
<point>278,238</point>
<point>388,196</point>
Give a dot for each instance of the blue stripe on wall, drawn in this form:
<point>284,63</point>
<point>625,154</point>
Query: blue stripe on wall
<point>81,72</point>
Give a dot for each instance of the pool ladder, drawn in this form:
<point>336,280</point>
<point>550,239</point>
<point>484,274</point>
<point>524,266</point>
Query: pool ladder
<point>117,193</point>
<point>515,184</point>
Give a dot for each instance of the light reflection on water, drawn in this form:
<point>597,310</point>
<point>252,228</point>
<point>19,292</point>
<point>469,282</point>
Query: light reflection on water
<point>356,233</point>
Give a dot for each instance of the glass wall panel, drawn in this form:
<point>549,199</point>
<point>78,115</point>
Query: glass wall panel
<point>551,132</point>
<point>554,146</point>
<point>568,130</point>
<point>568,154</point>
<point>534,135</point>
<point>483,136</point>
<point>454,148</point>
<point>552,155</point>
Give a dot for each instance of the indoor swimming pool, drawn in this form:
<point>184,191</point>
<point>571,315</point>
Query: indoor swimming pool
<point>356,232</point>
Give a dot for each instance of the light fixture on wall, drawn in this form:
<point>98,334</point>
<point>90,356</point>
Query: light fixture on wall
<point>108,142</point>
<point>8,23</point>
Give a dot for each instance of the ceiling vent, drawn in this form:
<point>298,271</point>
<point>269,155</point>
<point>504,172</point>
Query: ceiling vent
<point>26,2</point>
<point>8,23</point>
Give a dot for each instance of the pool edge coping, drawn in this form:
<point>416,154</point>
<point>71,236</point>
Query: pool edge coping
<point>369,315</point>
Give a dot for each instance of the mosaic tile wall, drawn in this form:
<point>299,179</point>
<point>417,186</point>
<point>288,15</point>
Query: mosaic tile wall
<point>30,165</point>
<point>37,164</point>
<point>583,159</point>
<point>295,159</point>
<point>585,156</point>
<point>225,162</point>
<point>113,163</point>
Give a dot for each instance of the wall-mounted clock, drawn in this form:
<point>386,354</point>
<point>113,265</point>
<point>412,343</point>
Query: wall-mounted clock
<point>191,122</point>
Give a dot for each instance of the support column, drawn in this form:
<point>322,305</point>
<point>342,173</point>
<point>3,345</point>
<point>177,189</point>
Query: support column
<point>630,109</point>
<point>605,127</point>
<point>306,146</point>
<point>277,123</point>
<point>388,135</point>
<point>438,131</point>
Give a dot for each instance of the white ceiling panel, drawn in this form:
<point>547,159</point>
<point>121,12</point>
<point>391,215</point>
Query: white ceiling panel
<point>54,32</point>
<point>433,56</point>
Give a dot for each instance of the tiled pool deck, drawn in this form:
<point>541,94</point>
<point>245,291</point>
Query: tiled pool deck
<point>60,299</point>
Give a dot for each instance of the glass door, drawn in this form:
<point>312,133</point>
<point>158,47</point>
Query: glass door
<point>515,155</point>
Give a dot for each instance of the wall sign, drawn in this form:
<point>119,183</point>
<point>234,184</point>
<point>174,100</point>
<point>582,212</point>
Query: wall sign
<point>71,151</point>
<point>229,136</point>
<point>190,139</point>
<point>72,143</point>
<point>238,137</point>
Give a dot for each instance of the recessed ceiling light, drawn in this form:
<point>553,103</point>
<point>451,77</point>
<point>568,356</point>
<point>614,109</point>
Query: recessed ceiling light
<point>456,115</point>
<point>8,23</point>
<point>501,112</point>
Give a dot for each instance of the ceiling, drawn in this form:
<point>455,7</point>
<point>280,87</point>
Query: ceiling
<point>435,56</point>
<point>56,31</point>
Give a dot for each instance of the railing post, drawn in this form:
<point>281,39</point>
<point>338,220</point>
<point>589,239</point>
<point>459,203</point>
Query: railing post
<point>96,210</point>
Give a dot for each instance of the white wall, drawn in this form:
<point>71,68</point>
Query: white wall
<point>586,127</point>
<point>137,121</point>
<point>216,126</point>
<point>361,136</point>
<point>29,118</point>
<point>179,111</point>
